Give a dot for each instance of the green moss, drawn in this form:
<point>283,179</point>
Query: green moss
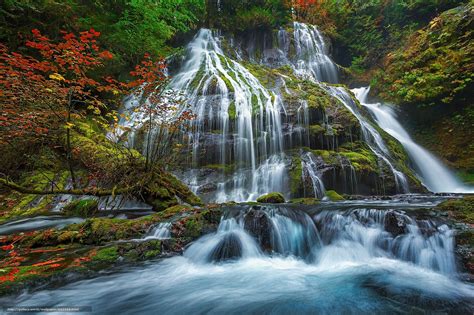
<point>225,168</point>
<point>171,211</point>
<point>295,174</point>
<point>467,177</point>
<point>273,197</point>
<point>232,111</point>
<point>333,195</point>
<point>82,208</point>
<point>316,129</point>
<point>107,255</point>
<point>305,201</point>
<point>460,209</point>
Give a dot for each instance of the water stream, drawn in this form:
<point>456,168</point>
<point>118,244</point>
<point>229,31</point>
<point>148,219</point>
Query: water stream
<point>280,260</point>
<point>434,175</point>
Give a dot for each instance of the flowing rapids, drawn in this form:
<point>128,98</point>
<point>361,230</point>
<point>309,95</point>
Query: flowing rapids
<point>432,173</point>
<point>280,260</point>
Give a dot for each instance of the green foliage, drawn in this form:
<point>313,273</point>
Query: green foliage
<point>242,15</point>
<point>364,31</point>
<point>435,66</point>
<point>129,27</point>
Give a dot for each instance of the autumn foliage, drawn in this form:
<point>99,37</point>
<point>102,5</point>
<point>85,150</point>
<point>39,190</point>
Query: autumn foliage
<point>37,88</point>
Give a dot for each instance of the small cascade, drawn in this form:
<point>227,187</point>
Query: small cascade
<point>371,136</point>
<point>256,231</point>
<point>160,232</point>
<point>359,235</point>
<point>302,121</point>
<point>311,170</point>
<point>433,174</point>
<point>293,233</point>
<point>312,60</point>
<point>230,241</point>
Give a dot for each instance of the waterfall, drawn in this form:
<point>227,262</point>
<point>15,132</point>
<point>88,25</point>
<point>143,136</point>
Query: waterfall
<point>371,136</point>
<point>218,87</point>
<point>435,176</point>
<point>312,58</point>
<point>160,232</point>
<point>310,169</point>
<point>330,237</point>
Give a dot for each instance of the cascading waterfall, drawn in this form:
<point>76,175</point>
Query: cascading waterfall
<point>371,136</point>
<point>312,58</point>
<point>310,169</point>
<point>239,127</point>
<point>282,260</point>
<point>215,86</point>
<point>160,232</point>
<point>433,174</point>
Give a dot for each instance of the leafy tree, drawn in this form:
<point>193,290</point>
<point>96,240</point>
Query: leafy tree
<point>41,92</point>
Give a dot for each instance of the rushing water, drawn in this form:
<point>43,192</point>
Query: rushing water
<point>371,136</point>
<point>280,260</point>
<point>434,175</point>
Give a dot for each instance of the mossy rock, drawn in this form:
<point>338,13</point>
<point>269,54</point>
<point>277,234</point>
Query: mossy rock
<point>305,201</point>
<point>333,195</point>
<point>106,255</point>
<point>274,197</point>
<point>82,208</point>
<point>459,209</point>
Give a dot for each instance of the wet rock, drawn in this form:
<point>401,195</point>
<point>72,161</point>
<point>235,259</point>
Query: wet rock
<point>257,224</point>
<point>394,224</point>
<point>207,188</point>
<point>229,247</point>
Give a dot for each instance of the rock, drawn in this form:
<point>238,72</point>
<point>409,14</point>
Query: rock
<point>229,247</point>
<point>207,188</point>
<point>334,196</point>
<point>394,224</point>
<point>274,197</point>
<point>257,224</point>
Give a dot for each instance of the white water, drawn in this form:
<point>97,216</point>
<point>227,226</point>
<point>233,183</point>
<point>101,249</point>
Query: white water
<point>213,83</point>
<point>433,174</point>
<point>160,232</point>
<point>312,60</point>
<point>310,168</point>
<point>351,265</point>
<point>371,136</point>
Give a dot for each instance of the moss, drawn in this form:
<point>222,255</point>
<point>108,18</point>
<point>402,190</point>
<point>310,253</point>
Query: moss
<point>82,208</point>
<point>232,111</point>
<point>460,209</point>
<point>107,255</point>
<point>273,197</point>
<point>316,129</point>
<point>225,168</point>
<point>171,211</point>
<point>305,201</point>
<point>333,195</point>
<point>296,173</point>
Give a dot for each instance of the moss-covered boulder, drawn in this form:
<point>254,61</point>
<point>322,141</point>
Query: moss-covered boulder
<point>274,197</point>
<point>333,195</point>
